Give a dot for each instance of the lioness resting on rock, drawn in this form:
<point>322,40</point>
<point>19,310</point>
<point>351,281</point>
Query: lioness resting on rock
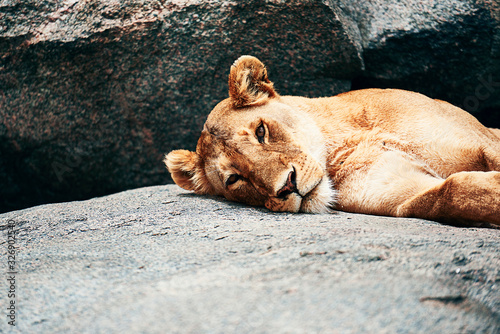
<point>383,152</point>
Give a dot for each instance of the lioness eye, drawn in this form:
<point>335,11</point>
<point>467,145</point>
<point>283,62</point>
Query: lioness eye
<point>232,179</point>
<point>260,133</point>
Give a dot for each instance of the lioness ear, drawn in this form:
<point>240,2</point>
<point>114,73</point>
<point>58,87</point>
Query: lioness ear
<point>187,171</point>
<point>248,83</point>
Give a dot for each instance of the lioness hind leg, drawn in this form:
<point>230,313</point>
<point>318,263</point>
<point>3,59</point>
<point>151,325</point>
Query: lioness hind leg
<point>462,197</point>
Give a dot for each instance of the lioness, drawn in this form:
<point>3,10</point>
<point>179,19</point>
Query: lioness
<point>384,152</point>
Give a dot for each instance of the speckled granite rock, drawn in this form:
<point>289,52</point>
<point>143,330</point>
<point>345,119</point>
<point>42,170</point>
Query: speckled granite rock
<point>445,49</point>
<point>92,93</point>
<point>161,260</point>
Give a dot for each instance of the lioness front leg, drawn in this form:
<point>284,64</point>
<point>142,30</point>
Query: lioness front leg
<point>462,197</point>
<point>398,185</point>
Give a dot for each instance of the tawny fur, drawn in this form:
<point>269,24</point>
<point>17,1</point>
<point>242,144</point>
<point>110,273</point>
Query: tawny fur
<point>248,83</point>
<point>384,152</point>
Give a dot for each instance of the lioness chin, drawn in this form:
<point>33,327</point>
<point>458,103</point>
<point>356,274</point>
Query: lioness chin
<point>384,152</point>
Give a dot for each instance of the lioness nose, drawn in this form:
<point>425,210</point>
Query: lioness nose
<point>290,185</point>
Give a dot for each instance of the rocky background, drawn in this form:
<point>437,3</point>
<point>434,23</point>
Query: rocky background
<point>94,92</point>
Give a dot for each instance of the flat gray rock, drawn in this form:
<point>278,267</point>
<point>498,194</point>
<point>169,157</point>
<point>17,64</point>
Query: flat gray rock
<point>161,260</point>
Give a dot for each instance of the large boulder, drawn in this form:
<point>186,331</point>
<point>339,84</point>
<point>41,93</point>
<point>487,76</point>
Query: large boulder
<point>92,93</point>
<point>445,49</point>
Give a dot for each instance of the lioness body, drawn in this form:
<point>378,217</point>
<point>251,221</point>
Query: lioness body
<point>387,152</point>
<point>386,146</point>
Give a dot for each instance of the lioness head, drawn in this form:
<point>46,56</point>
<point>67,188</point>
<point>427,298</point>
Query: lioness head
<point>257,148</point>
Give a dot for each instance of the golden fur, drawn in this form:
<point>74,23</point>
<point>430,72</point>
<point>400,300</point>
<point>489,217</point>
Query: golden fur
<point>385,152</point>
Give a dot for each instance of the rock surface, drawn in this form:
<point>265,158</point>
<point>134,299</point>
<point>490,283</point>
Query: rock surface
<point>159,259</point>
<point>93,93</point>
